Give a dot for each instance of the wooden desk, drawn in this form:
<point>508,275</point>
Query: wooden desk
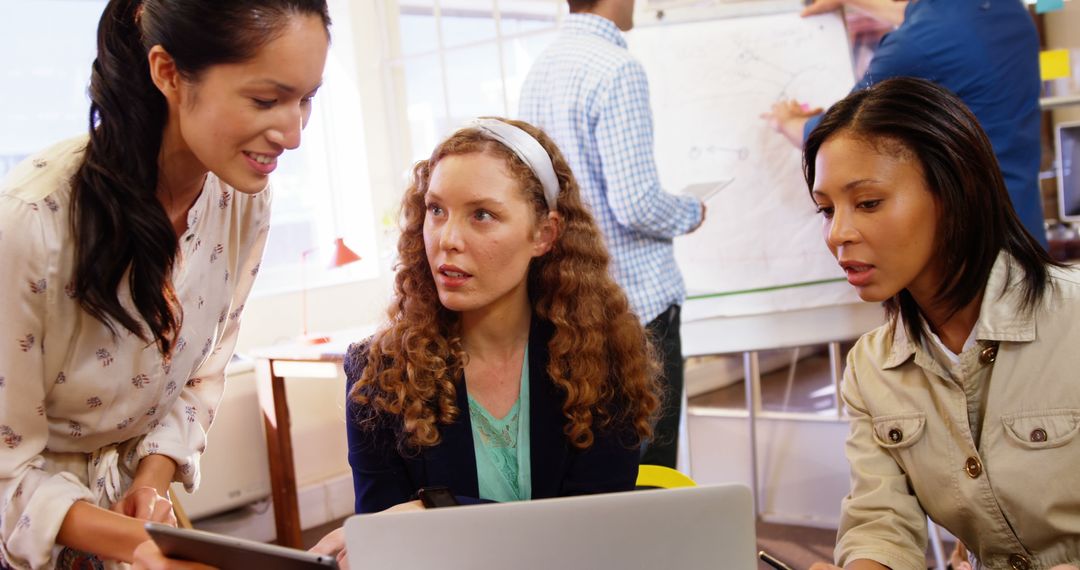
<point>272,365</point>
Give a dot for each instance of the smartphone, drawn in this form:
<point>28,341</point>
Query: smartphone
<point>226,552</point>
<point>437,496</point>
<point>772,561</point>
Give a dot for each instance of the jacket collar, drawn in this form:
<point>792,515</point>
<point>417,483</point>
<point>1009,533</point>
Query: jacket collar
<point>594,25</point>
<point>1002,316</point>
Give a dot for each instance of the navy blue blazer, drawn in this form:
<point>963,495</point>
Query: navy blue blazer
<point>384,476</point>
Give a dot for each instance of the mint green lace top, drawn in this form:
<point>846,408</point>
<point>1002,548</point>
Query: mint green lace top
<point>503,464</point>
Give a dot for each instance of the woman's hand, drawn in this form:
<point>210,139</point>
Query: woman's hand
<point>144,503</point>
<point>146,499</point>
<point>959,558</point>
<point>149,557</point>
<point>333,544</point>
<point>404,507</point>
<point>860,564</point>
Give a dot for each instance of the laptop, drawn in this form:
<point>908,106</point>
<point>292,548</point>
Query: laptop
<point>661,529</point>
<point>1068,172</point>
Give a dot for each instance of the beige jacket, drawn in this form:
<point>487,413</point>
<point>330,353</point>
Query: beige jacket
<point>1015,498</point>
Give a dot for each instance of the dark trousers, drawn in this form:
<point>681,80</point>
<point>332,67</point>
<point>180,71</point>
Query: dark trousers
<point>662,449</point>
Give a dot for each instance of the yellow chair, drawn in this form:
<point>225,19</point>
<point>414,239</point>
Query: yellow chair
<point>182,519</point>
<point>657,477</point>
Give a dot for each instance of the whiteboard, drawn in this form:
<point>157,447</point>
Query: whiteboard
<point>761,248</point>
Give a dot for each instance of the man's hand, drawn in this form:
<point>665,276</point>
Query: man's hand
<point>888,11</point>
<point>701,221</point>
<point>821,7</point>
<point>789,117</point>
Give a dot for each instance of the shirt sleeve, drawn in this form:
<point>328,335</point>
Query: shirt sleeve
<point>181,436</point>
<point>35,501</point>
<point>624,138</point>
<point>901,53</point>
<point>880,519</point>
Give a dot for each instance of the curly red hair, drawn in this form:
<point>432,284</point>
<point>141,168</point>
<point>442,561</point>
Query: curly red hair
<point>600,355</point>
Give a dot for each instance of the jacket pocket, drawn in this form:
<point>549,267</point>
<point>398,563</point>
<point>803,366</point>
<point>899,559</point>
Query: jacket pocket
<point>1043,429</point>
<point>899,431</point>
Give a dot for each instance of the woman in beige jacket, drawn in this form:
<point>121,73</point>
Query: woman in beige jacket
<point>966,405</point>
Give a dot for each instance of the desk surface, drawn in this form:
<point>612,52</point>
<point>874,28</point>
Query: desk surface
<point>783,329</point>
<point>332,350</point>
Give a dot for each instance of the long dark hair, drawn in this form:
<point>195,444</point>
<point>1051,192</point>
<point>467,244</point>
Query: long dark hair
<point>118,222</point>
<point>977,220</point>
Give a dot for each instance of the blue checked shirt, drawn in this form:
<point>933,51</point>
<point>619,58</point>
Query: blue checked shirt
<point>589,94</point>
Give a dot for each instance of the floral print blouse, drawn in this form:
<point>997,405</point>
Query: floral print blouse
<point>80,407</point>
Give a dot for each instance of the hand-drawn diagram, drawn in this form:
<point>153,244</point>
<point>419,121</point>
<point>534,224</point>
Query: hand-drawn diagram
<point>710,82</point>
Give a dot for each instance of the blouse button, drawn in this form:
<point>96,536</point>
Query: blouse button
<point>988,354</point>
<point>973,467</point>
<point>1038,435</point>
<point>895,435</point>
<point>40,163</point>
<point>1019,562</point>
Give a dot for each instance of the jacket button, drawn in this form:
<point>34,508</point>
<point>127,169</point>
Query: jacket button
<point>895,435</point>
<point>1038,435</point>
<point>988,354</point>
<point>973,467</point>
<point>1019,562</point>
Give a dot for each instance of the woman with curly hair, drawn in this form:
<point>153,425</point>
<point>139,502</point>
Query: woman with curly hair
<point>511,367</point>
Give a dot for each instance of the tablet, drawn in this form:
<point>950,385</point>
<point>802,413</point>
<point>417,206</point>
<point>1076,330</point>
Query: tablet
<point>226,552</point>
<point>706,190</point>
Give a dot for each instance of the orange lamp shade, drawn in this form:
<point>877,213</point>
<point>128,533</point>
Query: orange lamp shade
<point>342,254</point>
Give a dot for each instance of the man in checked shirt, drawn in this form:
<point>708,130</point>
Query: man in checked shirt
<point>589,94</point>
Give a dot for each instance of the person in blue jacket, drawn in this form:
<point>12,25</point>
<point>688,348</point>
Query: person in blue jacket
<point>511,366</point>
<point>984,51</point>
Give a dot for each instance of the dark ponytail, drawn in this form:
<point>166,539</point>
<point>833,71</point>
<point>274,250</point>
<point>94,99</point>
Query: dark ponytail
<point>119,224</point>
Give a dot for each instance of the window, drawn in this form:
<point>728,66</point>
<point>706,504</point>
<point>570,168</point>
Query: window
<point>43,90</point>
<point>458,59</point>
<point>321,191</point>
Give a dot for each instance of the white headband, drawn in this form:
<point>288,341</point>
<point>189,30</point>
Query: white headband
<point>528,149</point>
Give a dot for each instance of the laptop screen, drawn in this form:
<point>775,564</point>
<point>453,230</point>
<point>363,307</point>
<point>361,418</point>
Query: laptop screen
<point>1068,143</point>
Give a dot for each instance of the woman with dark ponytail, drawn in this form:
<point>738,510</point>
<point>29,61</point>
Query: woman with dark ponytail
<point>128,256</point>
